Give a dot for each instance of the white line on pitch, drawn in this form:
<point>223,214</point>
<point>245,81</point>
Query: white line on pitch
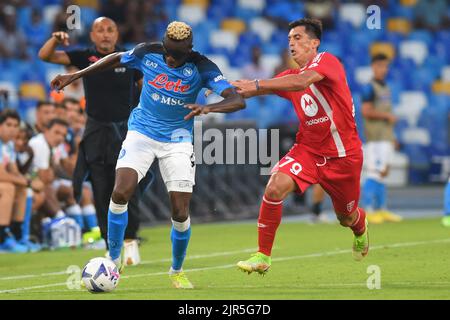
<point>197,256</point>
<point>314,255</point>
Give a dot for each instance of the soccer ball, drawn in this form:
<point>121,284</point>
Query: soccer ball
<point>100,275</point>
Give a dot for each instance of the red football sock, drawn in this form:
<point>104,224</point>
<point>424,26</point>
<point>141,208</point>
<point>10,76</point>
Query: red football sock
<point>268,222</point>
<point>359,226</point>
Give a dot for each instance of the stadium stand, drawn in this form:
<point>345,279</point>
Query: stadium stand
<point>226,30</point>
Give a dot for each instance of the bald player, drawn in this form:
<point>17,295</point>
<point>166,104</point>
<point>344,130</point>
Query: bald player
<point>108,111</point>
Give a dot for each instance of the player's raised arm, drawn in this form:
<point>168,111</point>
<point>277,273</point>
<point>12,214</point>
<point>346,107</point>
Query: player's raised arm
<point>110,61</point>
<point>232,102</point>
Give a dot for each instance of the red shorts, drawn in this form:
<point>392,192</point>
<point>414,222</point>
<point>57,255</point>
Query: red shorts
<point>339,177</point>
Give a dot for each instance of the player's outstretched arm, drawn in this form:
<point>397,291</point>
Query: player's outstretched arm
<point>232,102</point>
<point>290,82</point>
<point>110,61</point>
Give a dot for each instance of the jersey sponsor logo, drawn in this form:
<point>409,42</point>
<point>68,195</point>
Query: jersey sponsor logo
<point>219,77</point>
<point>161,81</point>
<point>152,64</point>
<point>187,72</point>
<point>171,101</point>
<point>317,121</point>
<point>309,105</point>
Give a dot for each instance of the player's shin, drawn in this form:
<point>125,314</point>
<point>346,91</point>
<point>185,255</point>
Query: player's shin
<point>268,222</point>
<point>117,223</point>
<point>359,225</point>
<point>180,235</point>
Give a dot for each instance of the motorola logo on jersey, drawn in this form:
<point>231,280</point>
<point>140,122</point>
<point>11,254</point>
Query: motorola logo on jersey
<point>317,121</point>
<point>161,81</point>
<point>309,106</point>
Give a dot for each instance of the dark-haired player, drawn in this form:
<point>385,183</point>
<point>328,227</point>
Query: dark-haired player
<point>327,149</point>
<point>160,127</point>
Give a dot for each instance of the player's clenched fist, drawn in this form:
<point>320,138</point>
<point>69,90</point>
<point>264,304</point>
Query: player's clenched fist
<point>61,37</point>
<point>62,80</point>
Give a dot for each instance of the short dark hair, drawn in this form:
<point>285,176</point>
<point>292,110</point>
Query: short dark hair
<point>9,113</point>
<point>43,103</point>
<point>380,57</point>
<point>56,121</point>
<point>313,27</point>
<point>70,100</point>
<point>27,129</point>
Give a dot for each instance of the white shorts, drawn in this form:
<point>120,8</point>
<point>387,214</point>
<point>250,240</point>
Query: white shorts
<point>377,157</point>
<point>176,160</point>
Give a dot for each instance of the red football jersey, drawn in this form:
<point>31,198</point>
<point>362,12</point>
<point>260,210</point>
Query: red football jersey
<point>325,110</point>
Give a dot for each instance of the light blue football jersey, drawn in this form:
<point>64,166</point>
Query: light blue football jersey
<point>165,91</point>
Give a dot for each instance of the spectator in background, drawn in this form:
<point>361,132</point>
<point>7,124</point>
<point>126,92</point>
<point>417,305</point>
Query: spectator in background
<point>45,112</point>
<point>323,10</point>
<point>35,193</point>
<point>286,62</point>
<point>13,185</point>
<point>36,30</point>
<point>446,217</point>
<point>431,15</point>
<point>379,122</point>
<point>255,69</point>
<point>13,43</point>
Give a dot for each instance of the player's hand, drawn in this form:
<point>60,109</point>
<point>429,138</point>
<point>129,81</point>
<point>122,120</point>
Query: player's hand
<point>61,37</point>
<point>62,80</point>
<point>245,87</point>
<point>196,110</point>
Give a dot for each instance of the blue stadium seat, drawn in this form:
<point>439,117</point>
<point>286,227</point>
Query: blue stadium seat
<point>403,11</point>
<point>421,79</point>
<point>88,15</point>
<point>334,48</point>
<point>422,35</point>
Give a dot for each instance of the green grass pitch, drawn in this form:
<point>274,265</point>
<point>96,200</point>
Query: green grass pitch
<point>309,262</point>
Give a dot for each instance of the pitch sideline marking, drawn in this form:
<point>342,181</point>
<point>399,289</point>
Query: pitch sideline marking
<point>198,256</point>
<point>314,255</point>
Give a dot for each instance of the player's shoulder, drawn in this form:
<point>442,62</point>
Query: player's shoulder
<point>322,57</point>
<point>145,48</point>
<point>201,61</point>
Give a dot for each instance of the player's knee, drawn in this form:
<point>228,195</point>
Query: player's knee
<point>274,192</point>
<point>180,212</point>
<point>121,196</point>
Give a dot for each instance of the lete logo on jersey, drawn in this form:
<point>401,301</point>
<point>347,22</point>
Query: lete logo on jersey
<point>309,106</point>
<point>162,81</point>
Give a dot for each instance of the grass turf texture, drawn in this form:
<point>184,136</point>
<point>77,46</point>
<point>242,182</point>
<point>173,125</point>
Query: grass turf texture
<point>309,262</point>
